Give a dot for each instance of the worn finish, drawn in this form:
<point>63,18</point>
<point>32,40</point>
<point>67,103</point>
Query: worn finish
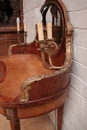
<point>29,89</point>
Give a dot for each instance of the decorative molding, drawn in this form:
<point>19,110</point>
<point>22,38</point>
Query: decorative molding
<point>11,114</point>
<point>26,86</point>
<point>68,35</point>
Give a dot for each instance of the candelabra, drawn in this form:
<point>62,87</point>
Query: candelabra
<point>25,38</point>
<point>47,46</point>
<point>18,32</point>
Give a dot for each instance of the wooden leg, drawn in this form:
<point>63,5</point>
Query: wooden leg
<point>15,125</point>
<point>59,117</point>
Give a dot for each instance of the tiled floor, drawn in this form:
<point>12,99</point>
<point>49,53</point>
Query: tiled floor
<point>37,123</point>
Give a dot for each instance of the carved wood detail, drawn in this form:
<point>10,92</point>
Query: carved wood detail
<point>11,114</point>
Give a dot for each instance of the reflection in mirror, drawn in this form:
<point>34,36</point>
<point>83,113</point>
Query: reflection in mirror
<point>57,22</point>
<point>5,11</point>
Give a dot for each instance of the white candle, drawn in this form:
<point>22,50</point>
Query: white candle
<point>40,31</point>
<point>49,30</point>
<point>25,28</point>
<point>18,24</point>
<point>49,24</point>
<point>39,24</point>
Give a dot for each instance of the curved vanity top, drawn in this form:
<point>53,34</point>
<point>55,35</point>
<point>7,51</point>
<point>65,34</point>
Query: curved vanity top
<point>20,68</point>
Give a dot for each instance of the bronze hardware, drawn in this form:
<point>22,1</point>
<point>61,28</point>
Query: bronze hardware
<point>26,86</point>
<point>46,47</point>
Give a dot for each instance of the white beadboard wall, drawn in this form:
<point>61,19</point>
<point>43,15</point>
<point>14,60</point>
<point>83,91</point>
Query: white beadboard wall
<point>75,109</point>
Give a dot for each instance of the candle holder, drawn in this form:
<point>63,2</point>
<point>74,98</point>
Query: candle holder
<point>48,46</point>
<point>25,38</point>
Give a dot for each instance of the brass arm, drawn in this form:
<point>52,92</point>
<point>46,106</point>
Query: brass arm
<point>69,30</point>
<point>46,47</point>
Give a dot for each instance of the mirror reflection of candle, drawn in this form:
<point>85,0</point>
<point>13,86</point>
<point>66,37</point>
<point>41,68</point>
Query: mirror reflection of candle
<point>18,24</point>
<point>39,25</point>
<point>25,28</point>
<point>49,24</point>
<point>49,30</point>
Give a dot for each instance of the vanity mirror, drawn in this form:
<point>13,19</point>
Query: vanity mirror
<point>5,12</point>
<point>57,22</point>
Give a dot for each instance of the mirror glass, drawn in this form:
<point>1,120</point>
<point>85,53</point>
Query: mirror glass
<point>5,12</point>
<point>57,22</point>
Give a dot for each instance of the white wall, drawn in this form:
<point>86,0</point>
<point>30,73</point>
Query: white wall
<point>29,8</point>
<point>75,110</point>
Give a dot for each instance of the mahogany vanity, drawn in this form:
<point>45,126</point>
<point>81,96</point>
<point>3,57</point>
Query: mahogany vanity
<point>34,78</point>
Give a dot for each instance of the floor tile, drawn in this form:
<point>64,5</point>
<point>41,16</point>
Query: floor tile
<point>36,123</point>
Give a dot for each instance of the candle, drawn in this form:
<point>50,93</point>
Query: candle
<point>49,24</point>
<point>49,30</point>
<point>40,31</point>
<point>18,24</point>
<point>38,17</point>
<point>25,28</point>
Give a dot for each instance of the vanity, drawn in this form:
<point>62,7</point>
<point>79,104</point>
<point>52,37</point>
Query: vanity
<point>34,78</point>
